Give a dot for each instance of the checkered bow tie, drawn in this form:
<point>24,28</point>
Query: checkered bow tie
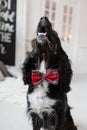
<point>51,76</point>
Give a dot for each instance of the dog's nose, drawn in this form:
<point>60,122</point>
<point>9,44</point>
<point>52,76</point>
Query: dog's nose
<point>43,20</point>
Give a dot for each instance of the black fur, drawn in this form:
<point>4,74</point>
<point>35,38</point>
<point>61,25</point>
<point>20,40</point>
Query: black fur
<point>50,49</point>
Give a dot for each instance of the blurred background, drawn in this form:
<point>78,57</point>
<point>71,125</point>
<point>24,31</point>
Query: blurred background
<point>68,18</point>
<point>20,19</point>
<point>18,23</point>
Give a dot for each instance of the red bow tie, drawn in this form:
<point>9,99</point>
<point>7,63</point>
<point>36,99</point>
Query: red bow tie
<point>51,76</point>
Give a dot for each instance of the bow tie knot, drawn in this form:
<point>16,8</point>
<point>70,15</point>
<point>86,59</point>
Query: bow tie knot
<point>51,76</point>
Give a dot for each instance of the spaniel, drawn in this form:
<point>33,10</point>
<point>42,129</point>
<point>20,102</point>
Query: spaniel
<point>47,71</point>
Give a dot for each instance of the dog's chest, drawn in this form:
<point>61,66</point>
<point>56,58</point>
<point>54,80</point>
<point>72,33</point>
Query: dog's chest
<point>39,101</point>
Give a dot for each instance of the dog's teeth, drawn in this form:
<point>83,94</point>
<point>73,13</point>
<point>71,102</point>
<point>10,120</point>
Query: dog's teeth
<point>42,34</point>
<point>45,33</point>
<point>39,34</point>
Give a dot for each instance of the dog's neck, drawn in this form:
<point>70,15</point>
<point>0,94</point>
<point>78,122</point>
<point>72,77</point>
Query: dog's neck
<point>43,66</point>
<point>50,59</point>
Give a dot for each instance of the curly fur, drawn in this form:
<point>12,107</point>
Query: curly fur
<point>55,57</point>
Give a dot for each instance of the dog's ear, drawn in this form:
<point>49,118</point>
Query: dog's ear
<point>26,70</point>
<point>66,72</point>
<point>28,65</point>
<point>33,42</point>
<point>65,65</point>
<point>54,38</point>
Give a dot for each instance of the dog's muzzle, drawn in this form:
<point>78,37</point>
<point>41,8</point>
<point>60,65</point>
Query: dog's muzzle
<point>44,25</point>
<point>42,43</point>
<point>41,40</point>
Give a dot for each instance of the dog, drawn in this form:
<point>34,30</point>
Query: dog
<point>47,71</point>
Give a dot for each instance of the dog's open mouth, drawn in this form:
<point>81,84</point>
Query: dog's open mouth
<point>43,36</point>
<point>42,31</point>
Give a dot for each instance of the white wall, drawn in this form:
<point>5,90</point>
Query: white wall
<point>20,32</point>
<point>81,62</point>
<point>34,12</point>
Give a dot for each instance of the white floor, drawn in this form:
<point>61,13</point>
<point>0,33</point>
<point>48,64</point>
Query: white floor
<point>13,103</point>
<point>78,100</point>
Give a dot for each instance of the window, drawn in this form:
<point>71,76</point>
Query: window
<point>67,23</point>
<point>50,11</point>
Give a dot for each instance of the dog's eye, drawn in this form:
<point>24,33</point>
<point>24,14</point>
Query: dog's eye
<point>51,46</point>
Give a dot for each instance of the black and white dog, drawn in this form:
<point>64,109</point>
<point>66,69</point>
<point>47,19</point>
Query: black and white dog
<point>48,73</point>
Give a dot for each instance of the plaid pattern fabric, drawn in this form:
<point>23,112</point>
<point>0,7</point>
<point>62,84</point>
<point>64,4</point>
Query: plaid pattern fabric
<point>51,76</point>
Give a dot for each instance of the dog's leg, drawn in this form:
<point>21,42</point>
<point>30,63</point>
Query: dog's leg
<point>69,121</point>
<point>61,125</point>
<point>36,121</point>
<point>61,121</point>
<point>36,128</point>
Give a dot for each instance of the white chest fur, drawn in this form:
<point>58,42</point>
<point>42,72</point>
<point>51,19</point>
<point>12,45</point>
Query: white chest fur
<point>39,101</point>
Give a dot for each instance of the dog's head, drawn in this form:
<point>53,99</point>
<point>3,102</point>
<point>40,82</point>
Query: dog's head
<point>44,26</point>
<point>47,41</point>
